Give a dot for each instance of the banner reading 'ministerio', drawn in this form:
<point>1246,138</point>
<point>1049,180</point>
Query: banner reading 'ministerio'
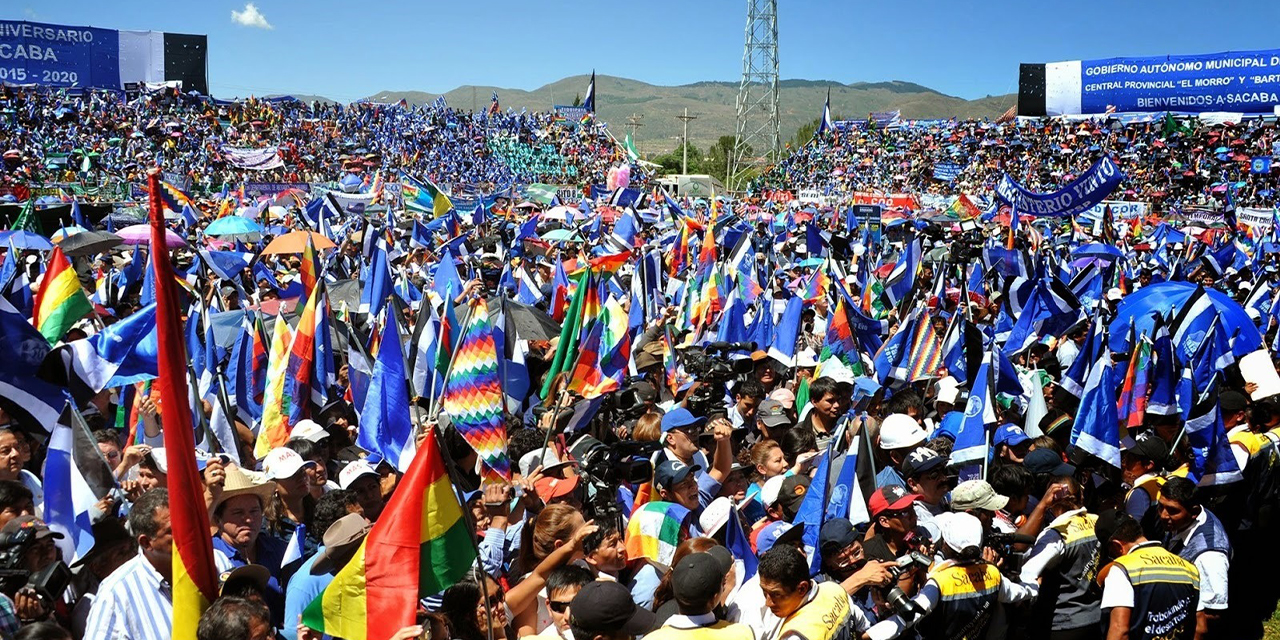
<point>1237,81</point>
<point>1092,187</point>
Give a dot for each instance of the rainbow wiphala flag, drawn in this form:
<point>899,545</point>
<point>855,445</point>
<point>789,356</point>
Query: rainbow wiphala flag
<point>473,395</point>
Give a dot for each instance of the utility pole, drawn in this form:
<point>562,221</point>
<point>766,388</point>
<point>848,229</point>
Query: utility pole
<point>635,123</point>
<point>684,165</point>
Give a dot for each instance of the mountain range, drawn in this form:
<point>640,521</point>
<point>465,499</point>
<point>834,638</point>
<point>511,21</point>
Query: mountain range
<point>655,107</point>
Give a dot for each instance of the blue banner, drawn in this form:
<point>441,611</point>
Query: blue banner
<point>1244,81</point>
<point>57,55</point>
<point>947,171</point>
<point>1092,187</point>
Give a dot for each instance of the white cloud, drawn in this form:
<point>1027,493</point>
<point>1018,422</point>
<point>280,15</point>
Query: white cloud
<point>250,17</point>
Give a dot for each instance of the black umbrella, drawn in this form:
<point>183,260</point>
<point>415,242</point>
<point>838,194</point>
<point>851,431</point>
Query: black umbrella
<point>524,321</point>
<point>87,243</point>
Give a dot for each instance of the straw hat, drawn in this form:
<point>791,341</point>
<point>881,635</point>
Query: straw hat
<point>238,484</point>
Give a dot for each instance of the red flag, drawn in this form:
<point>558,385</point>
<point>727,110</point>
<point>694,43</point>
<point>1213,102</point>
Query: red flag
<point>195,581</point>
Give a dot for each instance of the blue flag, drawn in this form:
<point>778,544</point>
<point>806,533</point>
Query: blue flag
<point>1097,426</point>
<point>385,426</point>
<point>1212,461</point>
<point>783,346</point>
<point>378,285</point>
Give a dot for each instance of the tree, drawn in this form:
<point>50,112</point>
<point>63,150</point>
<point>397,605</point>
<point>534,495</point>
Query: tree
<point>673,162</point>
<point>577,100</point>
<point>805,133</point>
<point>718,158</point>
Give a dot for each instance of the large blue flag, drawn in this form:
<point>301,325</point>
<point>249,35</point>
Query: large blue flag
<point>1097,426</point>
<point>1212,461</point>
<point>385,426</point>
<point>972,443</point>
<point>378,285</point>
<point>783,346</point>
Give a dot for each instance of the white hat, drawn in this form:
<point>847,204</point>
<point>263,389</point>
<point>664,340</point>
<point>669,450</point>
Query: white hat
<point>548,460</point>
<point>283,462</point>
<point>160,459</point>
<point>960,530</point>
<point>352,471</point>
<point>715,516</point>
<point>308,430</point>
<point>769,492</point>
<point>948,390</point>
<point>1114,294</point>
<point>900,431</point>
<point>836,370</point>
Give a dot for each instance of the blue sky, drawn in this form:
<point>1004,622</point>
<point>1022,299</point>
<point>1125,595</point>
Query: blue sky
<point>348,50</point>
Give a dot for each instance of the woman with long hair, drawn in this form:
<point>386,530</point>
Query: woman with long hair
<point>663,593</point>
<point>475,608</point>
<point>552,540</point>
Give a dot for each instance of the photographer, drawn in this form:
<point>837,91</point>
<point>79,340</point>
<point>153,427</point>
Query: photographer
<point>961,593</point>
<point>30,552</point>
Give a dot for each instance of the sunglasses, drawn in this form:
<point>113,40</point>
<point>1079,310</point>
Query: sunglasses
<point>558,606</point>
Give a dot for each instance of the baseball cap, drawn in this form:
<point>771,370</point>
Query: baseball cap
<point>836,534</point>
<point>669,473</point>
<point>1047,461</point>
<point>960,531</point>
<point>283,462</point>
<point>1011,435</point>
<point>308,430</point>
<point>696,578</point>
<point>716,515</point>
<point>770,489</point>
<point>920,461</point>
<point>607,607</point>
<point>792,491</point>
<point>1232,401</point>
<point>1114,294</point>
<point>785,397</point>
<point>777,532</point>
<point>352,471</point>
<point>680,417</point>
<point>546,458</point>
<point>772,414</point>
<point>1148,446</point>
<point>891,498</point>
<point>976,494</point>
<point>36,525</point>
<point>550,488</point>
<point>900,431</point>
<point>947,390</point>
<point>1108,522</point>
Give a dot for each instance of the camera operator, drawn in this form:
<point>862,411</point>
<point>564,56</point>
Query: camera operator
<point>844,562</point>
<point>961,593</point>
<point>680,429</point>
<point>29,552</point>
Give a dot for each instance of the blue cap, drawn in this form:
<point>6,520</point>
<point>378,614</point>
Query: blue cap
<point>1011,435</point>
<point>670,473</point>
<point>776,532</point>
<point>680,417</point>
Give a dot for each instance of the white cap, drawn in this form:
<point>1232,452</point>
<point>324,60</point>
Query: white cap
<point>715,516</point>
<point>836,370</point>
<point>960,530</point>
<point>283,462</point>
<point>546,458</point>
<point>158,456</point>
<point>948,390</point>
<point>900,431</point>
<point>1114,294</point>
<point>308,430</point>
<point>769,492</point>
<point>352,471</point>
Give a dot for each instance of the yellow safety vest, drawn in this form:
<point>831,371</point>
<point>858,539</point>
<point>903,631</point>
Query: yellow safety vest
<point>1165,593</point>
<point>825,617</point>
<point>968,597</point>
<point>719,630</point>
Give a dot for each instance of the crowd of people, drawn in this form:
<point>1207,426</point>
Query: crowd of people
<point>708,425</point>
<point>49,136</point>
<point>1169,163</point>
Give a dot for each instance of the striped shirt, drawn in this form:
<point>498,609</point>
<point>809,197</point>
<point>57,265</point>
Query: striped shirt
<point>136,603</point>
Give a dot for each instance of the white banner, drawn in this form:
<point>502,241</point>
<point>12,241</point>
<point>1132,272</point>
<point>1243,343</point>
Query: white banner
<point>262,159</point>
<point>1120,210</point>
<point>1259,219</point>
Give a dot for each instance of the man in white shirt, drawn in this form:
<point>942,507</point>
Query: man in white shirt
<point>1198,537</point>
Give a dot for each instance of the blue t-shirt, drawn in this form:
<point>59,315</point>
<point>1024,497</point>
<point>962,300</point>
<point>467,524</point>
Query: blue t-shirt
<point>303,588</point>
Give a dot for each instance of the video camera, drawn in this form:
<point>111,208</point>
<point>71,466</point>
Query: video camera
<point>50,582</point>
<point>965,248</point>
<point>604,467</point>
<point>1003,544</point>
<point>712,367</point>
<point>895,597</point>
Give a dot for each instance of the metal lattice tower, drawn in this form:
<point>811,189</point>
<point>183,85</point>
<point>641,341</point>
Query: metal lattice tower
<point>757,138</point>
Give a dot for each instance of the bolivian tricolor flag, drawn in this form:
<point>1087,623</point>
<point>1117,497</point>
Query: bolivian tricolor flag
<point>195,583</point>
<point>60,302</point>
<point>419,547</point>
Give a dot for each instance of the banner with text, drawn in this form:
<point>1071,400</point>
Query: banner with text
<point>253,159</point>
<point>1239,81</point>
<point>890,200</point>
<point>1079,196</point>
<point>66,56</point>
<point>1120,210</point>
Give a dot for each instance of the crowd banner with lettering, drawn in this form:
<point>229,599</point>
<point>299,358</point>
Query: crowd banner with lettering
<point>67,56</point>
<point>1120,210</point>
<point>890,200</point>
<point>1260,219</point>
<point>253,159</point>
<point>1238,81</point>
<point>256,189</point>
<point>572,115</point>
<point>947,171</point>
<point>1091,188</point>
